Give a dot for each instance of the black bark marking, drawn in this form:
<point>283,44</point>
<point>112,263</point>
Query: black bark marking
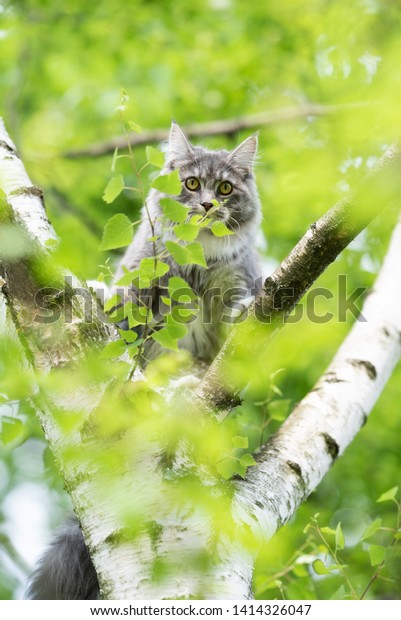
<point>259,504</point>
<point>32,190</point>
<point>331,377</point>
<point>367,367</point>
<point>297,470</point>
<point>331,445</point>
<point>386,332</point>
<point>8,147</point>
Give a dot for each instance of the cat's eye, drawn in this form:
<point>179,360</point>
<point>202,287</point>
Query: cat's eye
<point>192,183</point>
<point>225,188</point>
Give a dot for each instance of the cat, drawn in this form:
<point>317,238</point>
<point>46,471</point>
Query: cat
<point>233,272</point>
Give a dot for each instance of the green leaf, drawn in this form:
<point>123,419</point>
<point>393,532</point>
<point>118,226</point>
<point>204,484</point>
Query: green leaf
<point>154,157</point>
<point>173,210</point>
<point>372,529</point>
<point>320,568</point>
<point>300,570</point>
<point>247,460</point>
<point>134,127</point>
<point>196,252</point>
<point>328,530</point>
<point>113,349</point>
<point>377,554</point>
<point>113,188</point>
<point>228,467</point>
<point>149,268</point>
<point>338,594</point>
<point>137,315</point>
<point>181,313</point>
<point>114,160</point>
<point>112,302</point>
<point>199,220</point>
<point>179,253</point>
<point>128,335</point>
<point>11,429</point>
<point>168,183</point>
<point>388,495</point>
<point>178,288</point>
<point>169,336</point>
<point>219,229</point>
<point>118,232</point>
<point>127,278</point>
<point>240,442</point>
<point>278,409</point>
<point>133,347</point>
<point>340,541</point>
<point>186,232</point>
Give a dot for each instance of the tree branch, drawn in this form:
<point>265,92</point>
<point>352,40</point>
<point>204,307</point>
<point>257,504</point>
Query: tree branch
<point>324,423</point>
<point>214,128</point>
<point>317,249</point>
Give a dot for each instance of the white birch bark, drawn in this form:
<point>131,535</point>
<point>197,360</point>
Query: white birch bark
<point>324,423</point>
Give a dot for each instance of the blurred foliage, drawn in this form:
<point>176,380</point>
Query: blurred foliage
<point>62,66</point>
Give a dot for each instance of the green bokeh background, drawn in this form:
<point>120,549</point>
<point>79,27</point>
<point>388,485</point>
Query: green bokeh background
<point>62,66</point>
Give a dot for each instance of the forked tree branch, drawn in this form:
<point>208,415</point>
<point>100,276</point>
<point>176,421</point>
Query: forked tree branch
<point>322,425</point>
<point>317,249</point>
<point>214,128</point>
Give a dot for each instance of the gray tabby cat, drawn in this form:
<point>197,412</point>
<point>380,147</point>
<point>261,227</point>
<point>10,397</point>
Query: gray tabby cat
<point>66,571</point>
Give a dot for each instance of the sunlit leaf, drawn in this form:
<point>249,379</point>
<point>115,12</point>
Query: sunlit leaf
<point>112,302</point>
<point>377,554</point>
<point>219,229</point>
<point>247,460</point>
<point>169,336</point>
<point>388,495</point>
<point>278,409</point>
<point>240,442</point>
<point>179,288</point>
<point>173,210</point>
<point>340,541</point>
<point>118,232</point>
<point>186,232</point>
<point>372,529</point>
<point>168,183</point>
<point>113,349</point>
<point>154,157</point>
<point>113,188</point>
<point>179,253</point>
<point>320,568</point>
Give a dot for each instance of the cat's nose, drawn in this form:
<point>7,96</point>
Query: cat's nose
<point>207,205</point>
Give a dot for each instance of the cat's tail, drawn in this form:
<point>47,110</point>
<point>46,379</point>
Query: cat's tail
<point>65,571</point>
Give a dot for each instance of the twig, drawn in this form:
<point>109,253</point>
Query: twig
<point>215,128</point>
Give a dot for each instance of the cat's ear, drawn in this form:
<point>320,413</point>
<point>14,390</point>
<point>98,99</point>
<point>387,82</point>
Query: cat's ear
<point>244,155</point>
<point>178,145</point>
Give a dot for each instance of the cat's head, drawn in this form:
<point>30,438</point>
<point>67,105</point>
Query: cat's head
<point>223,176</point>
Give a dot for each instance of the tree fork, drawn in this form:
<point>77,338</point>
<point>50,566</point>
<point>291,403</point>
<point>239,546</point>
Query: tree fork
<point>316,250</point>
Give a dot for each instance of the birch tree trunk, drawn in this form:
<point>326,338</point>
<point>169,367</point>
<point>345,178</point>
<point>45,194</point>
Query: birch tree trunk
<point>317,432</point>
<point>288,469</point>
